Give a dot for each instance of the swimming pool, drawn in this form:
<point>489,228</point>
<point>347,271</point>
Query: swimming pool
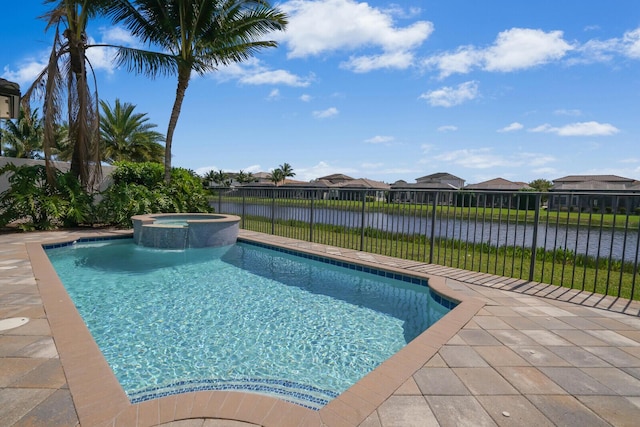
<point>241,317</point>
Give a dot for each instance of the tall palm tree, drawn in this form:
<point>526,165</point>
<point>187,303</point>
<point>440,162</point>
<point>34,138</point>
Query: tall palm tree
<point>194,36</point>
<point>65,80</point>
<point>23,138</point>
<point>127,136</point>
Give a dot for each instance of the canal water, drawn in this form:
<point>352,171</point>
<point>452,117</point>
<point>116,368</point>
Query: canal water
<point>593,241</point>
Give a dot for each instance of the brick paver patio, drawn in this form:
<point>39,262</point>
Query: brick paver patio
<point>513,353</point>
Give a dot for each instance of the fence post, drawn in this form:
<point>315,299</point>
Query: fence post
<point>244,195</point>
<point>219,200</point>
<point>364,204</point>
<point>534,238</point>
<point>432,240</point>
<point>273,212</point>
<point>313,196</point>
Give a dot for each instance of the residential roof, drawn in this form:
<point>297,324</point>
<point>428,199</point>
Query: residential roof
<point>599,178</point>
<point>635,186</point>
<point>262,175</point>
<point>363,183</point>
<point>438,176</point>
<point>591,186</point>
<point>424,186</point>
<point>499,184</point>
<point>594,183</point>
<point>336,176</point>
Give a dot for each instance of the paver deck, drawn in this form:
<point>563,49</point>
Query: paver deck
<point>512,353</point>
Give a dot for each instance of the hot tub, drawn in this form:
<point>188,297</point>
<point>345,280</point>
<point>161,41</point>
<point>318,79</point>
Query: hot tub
<point>185,230</point>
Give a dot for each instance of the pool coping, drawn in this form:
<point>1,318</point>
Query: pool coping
<point>100,400</point>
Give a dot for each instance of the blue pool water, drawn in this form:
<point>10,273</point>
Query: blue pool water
<point>240,317</point>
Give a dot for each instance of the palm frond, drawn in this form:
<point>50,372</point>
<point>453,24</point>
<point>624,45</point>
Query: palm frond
<point>150,64</point>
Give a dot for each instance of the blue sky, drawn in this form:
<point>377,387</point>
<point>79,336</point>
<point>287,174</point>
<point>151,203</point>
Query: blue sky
<point>517,89</point>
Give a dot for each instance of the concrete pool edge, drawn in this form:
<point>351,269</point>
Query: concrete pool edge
<point>100,400</point>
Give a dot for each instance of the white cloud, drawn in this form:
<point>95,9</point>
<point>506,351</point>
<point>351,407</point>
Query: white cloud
<point>579,129</point>
<point>117,36</point>
<point>253,169</point>
<point>481,158</point>
<point>205,169</point>
<point>427,148</point>
<point>364,64</point>
<point>101,58</point>
<point>325,114</point>
<point>596,50</point>
<point>274,95</point>
<point>512,127</point>
<point>380,139</point>
<point>447,128</point>
<point>520,48</point>
<point>461,62</point>
<point>318,27</point>
<point>564,112</point>
<point>631,43</point>
<point>26,72</point>
<point>514,49</point>
<point>486,158</point>
<point>305,98</point>
<point>273,77</point>
<point>536,159</point>
<point>253,72</point>
<point>450,96</point>
<point>320,169</point>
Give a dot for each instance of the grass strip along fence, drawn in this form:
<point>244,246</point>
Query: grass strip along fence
<point>573,249</point>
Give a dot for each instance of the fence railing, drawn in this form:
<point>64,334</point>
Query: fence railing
<point>587,241</point>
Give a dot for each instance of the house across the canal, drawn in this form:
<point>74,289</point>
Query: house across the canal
<point>595,193</point>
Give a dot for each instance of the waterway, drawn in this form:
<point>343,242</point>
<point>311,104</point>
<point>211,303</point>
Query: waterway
<point>594,241</point>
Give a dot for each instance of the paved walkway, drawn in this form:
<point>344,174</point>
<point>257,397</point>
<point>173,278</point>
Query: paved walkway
<point>531,354</point>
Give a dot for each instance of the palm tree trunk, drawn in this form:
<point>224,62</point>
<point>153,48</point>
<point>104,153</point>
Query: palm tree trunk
<point>184,74</point>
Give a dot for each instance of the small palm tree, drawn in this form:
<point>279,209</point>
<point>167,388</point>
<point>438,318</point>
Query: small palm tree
<point>63,147</point>
<point>287,171</point>
<point>241,177</point>
<point>23,138</point>
<point>277,176</point>
<point>194,36</point>
<point>218,177</point>
<point>250,178</point>
<point>127,136</point>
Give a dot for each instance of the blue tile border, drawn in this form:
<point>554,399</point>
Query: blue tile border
<point>301,394</point>
<point>46,246</point>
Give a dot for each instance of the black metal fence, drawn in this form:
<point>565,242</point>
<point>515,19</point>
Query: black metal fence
<point>587,241</point>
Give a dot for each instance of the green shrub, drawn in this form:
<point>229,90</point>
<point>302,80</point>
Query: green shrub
<point>37,205</point>
<point>139,188</point>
